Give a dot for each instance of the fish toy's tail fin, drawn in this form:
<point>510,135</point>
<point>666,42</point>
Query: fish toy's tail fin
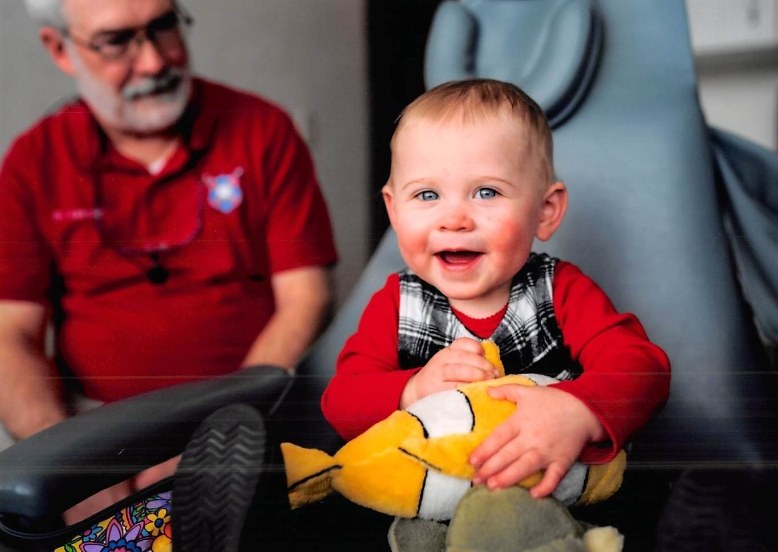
<point>309,474</point>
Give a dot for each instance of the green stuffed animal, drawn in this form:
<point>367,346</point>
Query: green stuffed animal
<point>508,520</point>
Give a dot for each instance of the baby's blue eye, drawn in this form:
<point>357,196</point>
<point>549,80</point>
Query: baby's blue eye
<point>427,195</point>
<point>486,193</point>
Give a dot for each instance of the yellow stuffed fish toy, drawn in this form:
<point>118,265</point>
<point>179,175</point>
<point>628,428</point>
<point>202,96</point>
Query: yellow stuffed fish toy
<point>415,462</point>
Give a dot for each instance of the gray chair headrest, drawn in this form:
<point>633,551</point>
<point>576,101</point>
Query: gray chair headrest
<point>550,48</point>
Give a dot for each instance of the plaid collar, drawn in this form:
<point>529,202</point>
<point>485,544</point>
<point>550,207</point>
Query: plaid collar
<point>527,333</point>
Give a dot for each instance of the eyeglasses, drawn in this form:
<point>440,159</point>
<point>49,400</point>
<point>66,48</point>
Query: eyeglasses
<point>165,32</point>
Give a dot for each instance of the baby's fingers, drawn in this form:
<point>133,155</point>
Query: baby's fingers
<point>493,445</point>
<point>550,481</point>
<point>509,392</point>
<point>511,469</point>
<point>462,352</point>
<point>467,344</point>
<point>467,373</point>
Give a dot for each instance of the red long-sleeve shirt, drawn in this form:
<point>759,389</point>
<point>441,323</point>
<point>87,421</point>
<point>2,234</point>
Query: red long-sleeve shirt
<point>625,376</point>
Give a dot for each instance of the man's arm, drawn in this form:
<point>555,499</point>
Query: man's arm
<point>30,395</point>
<point>303,298</point>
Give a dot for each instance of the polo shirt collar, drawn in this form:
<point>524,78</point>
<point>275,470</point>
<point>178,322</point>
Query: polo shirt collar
<point>198,125</point>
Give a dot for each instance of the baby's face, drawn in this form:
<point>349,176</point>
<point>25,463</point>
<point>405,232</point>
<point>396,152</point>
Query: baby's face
<point>465,200</point>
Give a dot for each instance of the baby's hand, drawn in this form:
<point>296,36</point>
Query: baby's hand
<point>547,432</point>
<point>461,362</point>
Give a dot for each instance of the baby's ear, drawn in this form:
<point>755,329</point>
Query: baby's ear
<point>552,210</point>
<point>388,196</point>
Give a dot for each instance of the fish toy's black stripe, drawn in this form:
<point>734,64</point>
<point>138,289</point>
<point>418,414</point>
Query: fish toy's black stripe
<point>313,476</point>
<point>421,423</point>
<point>421,493</point>
<point>421,460</point>
<point>470,406</point>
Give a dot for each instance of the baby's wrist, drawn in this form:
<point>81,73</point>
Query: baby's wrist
<point>594,428</point>
<point>597,433</point>
<point>408,395</point>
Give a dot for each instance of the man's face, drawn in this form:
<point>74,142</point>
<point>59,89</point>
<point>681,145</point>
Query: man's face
<point>142,91</point>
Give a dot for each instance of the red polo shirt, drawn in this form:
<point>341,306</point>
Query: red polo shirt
<point>81,225</point>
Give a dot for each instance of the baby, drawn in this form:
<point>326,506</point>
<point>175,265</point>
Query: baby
<point>472,186</point>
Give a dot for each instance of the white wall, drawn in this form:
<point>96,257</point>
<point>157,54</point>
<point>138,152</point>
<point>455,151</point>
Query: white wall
<point>742,99</point>
<point>736,46</point>
<point>307,55</point>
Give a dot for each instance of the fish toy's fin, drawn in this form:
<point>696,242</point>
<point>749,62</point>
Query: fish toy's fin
<point>604,479</point>
<point>492,354</point>
<point>448,455</point>
<point>308,474</point>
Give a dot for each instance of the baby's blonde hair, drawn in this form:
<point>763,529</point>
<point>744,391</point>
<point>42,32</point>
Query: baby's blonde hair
<point>474,100</point>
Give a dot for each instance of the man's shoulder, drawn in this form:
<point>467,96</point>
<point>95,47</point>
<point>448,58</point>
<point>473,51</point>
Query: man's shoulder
<point>236,112</point>
<point>58,126</point>
<point>68,111</point>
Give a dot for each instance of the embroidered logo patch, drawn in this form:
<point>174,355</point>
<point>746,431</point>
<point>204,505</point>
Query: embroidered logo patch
<point>224,191</point>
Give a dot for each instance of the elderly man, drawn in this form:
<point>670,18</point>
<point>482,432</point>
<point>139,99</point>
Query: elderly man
<point>170,228</point>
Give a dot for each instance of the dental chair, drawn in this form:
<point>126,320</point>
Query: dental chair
<point>650,219</point>
<point>646,219</point>
<point>676,221</point>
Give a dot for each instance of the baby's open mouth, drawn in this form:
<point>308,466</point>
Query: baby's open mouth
<point>458,257</point>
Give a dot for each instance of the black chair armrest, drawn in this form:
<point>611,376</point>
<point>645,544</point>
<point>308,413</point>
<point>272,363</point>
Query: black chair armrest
<point>42,476</point>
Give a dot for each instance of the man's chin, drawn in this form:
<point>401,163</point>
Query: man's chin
<point>149,125</point>
<point>150,115</point>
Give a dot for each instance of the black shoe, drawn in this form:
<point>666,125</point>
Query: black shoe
<point>216,479</point>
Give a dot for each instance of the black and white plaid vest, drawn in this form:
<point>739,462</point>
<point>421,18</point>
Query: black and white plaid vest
<point>529,337</point>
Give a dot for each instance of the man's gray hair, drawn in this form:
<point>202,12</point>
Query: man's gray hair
<point>46,13</point>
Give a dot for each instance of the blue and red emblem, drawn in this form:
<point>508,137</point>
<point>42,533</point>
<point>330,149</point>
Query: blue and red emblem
<point>224,191</point>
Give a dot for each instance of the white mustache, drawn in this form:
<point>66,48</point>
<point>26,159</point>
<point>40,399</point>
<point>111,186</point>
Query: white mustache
<point>166,82</point>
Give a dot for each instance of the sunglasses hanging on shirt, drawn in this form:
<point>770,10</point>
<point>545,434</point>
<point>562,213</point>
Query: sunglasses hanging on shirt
<point>150,254</point>
<point>157,273</point>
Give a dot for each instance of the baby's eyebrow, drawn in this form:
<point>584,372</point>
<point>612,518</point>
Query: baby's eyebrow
<point>487,179</point>
<point>416,182</point>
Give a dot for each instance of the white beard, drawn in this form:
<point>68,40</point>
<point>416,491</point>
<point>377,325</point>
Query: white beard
<point>150,105</point>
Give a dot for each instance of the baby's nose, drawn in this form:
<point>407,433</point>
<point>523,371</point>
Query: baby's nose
<point>456,216</point>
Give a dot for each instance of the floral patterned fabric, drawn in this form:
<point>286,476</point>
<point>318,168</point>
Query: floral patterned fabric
<point>141,527</point>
